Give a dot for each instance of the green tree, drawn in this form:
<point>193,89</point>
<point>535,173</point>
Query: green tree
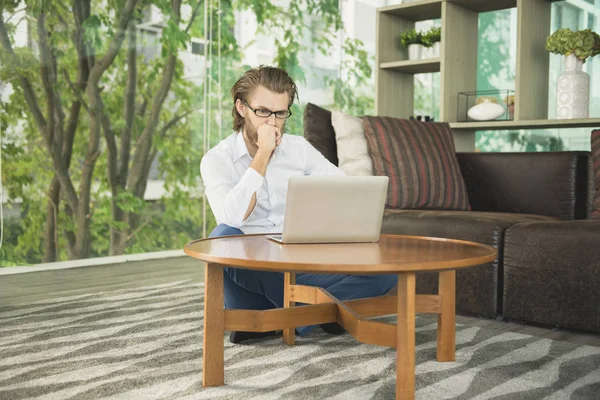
<point>91,111</point>
<point>353,91</point>
<point>64,86</point>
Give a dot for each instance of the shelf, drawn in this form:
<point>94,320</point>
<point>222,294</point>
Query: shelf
<point>459,20</point>
<point>421,10</point>
<point>530,124</point>
<point>413,66</point>
<point>485,5</point>
<point>432,9</point>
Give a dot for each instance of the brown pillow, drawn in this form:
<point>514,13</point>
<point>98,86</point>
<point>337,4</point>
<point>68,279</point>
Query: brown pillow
<point>596,160</point>
<point>319,131</point>
<point>420,160</point>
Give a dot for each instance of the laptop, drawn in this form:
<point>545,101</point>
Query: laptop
<point>333,209</point>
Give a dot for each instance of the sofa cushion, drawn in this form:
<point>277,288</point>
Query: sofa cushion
<point>420,160</point>
<point>352,148</point>
<point>556,184</point>
<point>478,289</point>
<point>319,131</point>
<point>503,219</point>
<point>596,160</point>
<point>552,274</point>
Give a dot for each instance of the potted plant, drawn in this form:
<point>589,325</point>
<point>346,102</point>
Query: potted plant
<point>573,91</point>
<point>432,39</point>
<point>413,41</point>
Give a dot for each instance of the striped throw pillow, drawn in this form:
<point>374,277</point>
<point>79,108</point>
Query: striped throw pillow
<point>420,160</point>
<point>596,160</point>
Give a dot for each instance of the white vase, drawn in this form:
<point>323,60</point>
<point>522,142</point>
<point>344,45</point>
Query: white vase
<point>485,111</point>
<point>435,50</point>
<point>573,91</point>
<point>426,53</point>
<point>415,51</point>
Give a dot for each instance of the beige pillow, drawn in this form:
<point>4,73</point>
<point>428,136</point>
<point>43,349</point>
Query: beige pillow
<point>352,149</point>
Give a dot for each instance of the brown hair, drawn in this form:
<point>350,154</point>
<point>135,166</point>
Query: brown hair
<point>272,78</point>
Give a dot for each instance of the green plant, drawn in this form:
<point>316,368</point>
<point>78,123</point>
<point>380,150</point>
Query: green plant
<point>432,36</point>
<point>409,37</point>
<point>583,44</point>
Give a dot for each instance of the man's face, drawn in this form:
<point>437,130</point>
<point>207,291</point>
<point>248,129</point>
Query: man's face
<point>262,98</point>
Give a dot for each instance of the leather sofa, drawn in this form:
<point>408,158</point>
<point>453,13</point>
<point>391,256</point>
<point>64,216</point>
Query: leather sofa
<point>552,271</point>
<point>552,274</point>
<point>505,189</point>
<point>532,207</point>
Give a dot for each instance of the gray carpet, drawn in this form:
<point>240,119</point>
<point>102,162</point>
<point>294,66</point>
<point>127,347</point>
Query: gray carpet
<point>146,344</point>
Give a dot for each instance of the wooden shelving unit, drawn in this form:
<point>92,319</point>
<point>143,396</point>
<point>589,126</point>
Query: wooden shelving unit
<point>526,124</point>
<point>413,66</point>
<point>485,6</point>
<point>415,11</point>
<point>457,63</point>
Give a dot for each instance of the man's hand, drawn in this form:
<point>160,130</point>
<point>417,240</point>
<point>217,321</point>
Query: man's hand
<point>269,137</point>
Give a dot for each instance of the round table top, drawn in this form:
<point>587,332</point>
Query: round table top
<point>391,254</point>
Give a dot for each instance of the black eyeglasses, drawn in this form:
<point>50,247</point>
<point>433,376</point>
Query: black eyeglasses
<point>264,113</point>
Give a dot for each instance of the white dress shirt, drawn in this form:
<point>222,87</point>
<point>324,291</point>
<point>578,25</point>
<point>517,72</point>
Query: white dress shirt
<point>229,181</point>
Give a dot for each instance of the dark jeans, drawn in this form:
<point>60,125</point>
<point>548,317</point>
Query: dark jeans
<point>262,290</point>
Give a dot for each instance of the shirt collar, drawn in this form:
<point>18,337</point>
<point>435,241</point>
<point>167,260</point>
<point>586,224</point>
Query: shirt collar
<point>280,150</point>
<point>240,149</point>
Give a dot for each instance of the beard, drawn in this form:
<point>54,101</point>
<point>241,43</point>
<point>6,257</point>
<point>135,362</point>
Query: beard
<point>251,131</point>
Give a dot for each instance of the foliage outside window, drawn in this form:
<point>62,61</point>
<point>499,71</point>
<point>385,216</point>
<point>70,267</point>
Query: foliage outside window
<point>94,106</point>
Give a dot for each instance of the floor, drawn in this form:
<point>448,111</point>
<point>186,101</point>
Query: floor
<point>31,287</point>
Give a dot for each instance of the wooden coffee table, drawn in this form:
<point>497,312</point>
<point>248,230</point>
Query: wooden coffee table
<point>393,254</point>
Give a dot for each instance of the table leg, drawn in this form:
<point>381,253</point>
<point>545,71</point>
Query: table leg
<point>289,278</point>
<point>213,369</point>
<point>405,343</point>
<point>446,336</point>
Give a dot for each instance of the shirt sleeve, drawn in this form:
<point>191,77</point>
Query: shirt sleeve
<point>317,164</point>
<point>228,200</point>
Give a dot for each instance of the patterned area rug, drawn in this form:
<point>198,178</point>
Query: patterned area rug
<point>146,343</point>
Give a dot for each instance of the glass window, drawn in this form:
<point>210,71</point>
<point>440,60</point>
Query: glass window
<point>158,106</point>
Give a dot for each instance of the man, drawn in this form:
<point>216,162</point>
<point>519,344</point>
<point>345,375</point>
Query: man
<point>246,179</point>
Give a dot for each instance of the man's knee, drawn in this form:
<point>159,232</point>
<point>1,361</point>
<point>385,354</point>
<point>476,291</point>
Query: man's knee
<point>383,282</point>
<point>225,230</point>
